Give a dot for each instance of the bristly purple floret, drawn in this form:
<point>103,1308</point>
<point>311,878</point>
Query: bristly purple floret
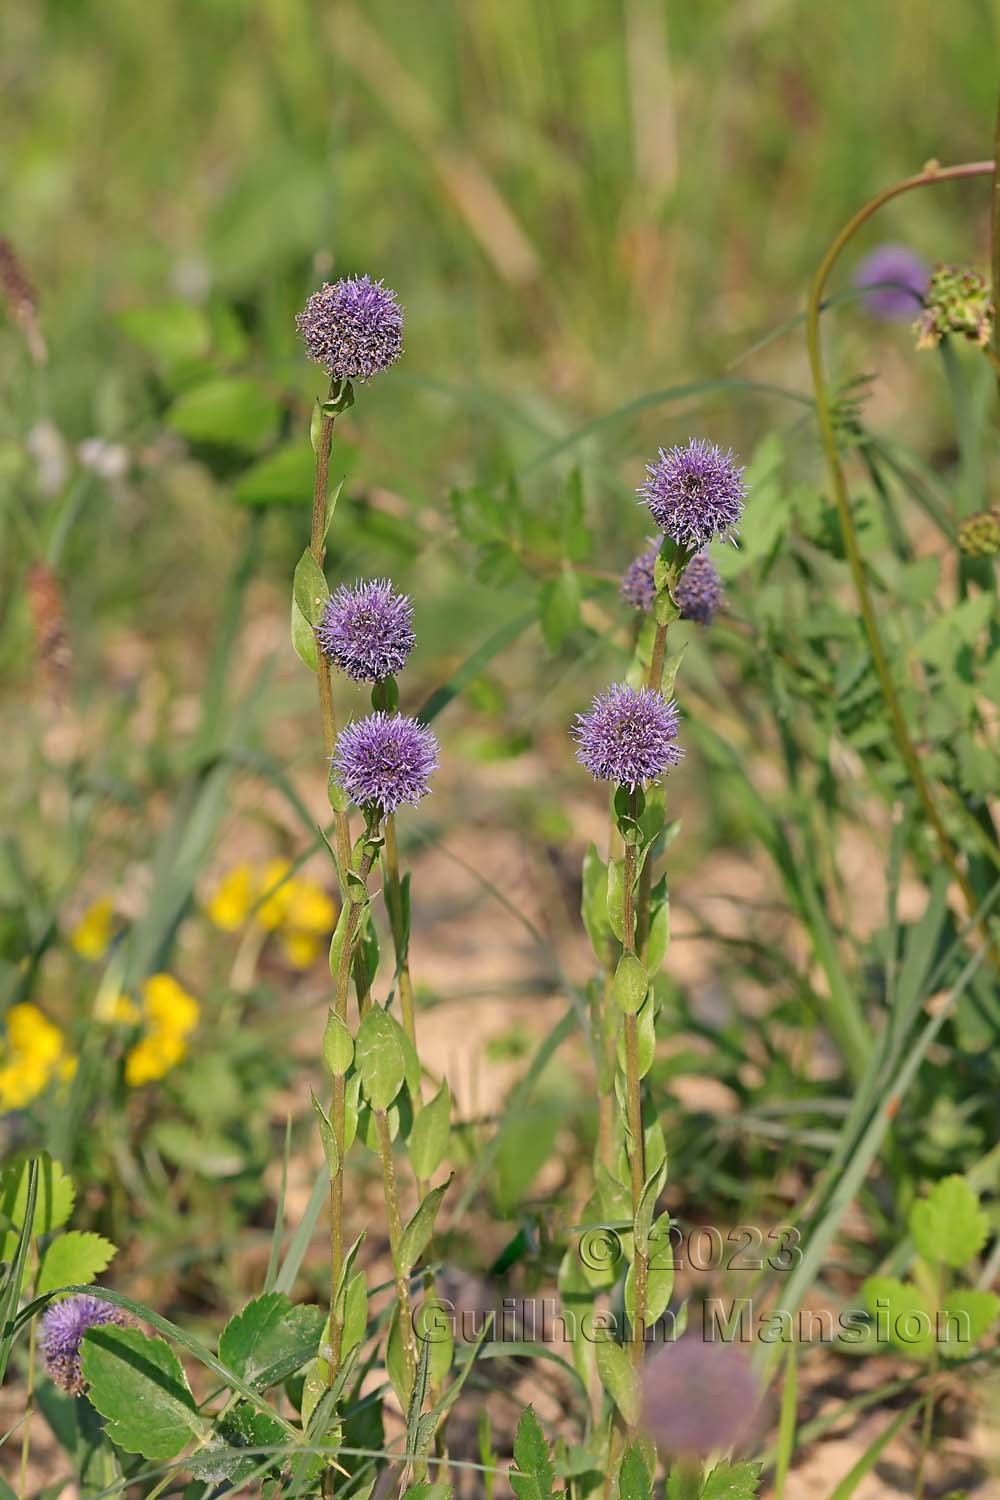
<point>368,630</point>
<point>385,759</point>
<point>638,585</point>
<point>352,327</point>
<point>629,736</point>
<point>699,592</point>
<point>898,279</point>
<point>63,1326</point>
<point>695,493</point>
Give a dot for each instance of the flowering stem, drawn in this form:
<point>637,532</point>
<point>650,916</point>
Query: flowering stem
<point>317,546</point>
<point>397,922</point>
<point>395,1223</point>
<point>338,1117</point>
<point>931,175</point>
<point>633,1095</point>
<point>654,677</point>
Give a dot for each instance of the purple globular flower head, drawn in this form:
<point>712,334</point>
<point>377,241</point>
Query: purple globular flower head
<point>638,585</point>
<point>909,275</point>
<point>385,759</point>
<point>352,327</point>
<point>63,1326</point>
<point>695,493</point>
<point>698,1397</point>
<point>698,594</point>
<point>629,736</point>
<point>368,630</point>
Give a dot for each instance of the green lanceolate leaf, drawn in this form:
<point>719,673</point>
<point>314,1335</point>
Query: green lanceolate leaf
<point>73,1259</point>
<point>948,1225</point>
<point>631,983</point>
<point>616,898</point>
<point>304,639</point>
<point>138,1386</point>
<point>355,1311</point>
<point>434,1325</point>
<point>326,1135</point>
<point>618,1378</point>
<point>380,1057</point>
<point>534,1476</point>
<point>338,1046</point>
<point>417,1234</point>
<point>310,589</point>
<point>594,903</point>
<point>430,1134</point>
<point>270,1339</point>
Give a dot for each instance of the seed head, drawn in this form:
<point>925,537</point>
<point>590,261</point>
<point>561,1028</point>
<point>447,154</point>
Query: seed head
<point>385,759</point>
<point>63,1326</point>
<point>979,536</point>
<point>368,630</point>
<point>629,736</point>
<point>698,594</point>
<point>352,327</point>
<point>957,301</point>
<point>695,493</point>
<point>898,278</point>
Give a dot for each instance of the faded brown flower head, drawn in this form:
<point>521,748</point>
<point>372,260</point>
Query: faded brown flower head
<point>979,536</point>
<point>22,303</point>
<point>698,1397</point>
<point>957,301</point>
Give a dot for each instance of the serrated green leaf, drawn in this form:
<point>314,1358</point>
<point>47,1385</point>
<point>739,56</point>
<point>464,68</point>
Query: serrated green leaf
<point>633,1476</point>
<point>534,1475</point>
<point>966,1314</point>
<point>430,1135</point>
<point>732,1482</point>
<point>380,1057</point>
<point>417,1234</point>
<point>54,1204</point>
<point>73,1259</point>
<point>138,1386</point>
<point>902,1315</point>
<point>948,1225</point>
<point>270,1339</point>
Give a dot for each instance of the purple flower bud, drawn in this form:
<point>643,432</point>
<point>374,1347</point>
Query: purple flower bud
<point>906,271</point>
<point>629,736</point>
<point>385,759</point>
<point>353,328</point>
<point>63,1326</point>
<point>638,586</point>
<point>698,594</point>
<point>367,630</point>
<point>695,493</point>
<point>698,1397</point>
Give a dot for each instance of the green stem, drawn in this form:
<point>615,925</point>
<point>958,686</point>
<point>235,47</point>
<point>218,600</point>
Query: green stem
<point>633,1097</point>
<point>395,1222</point>
<point>317,546</point>
<point>29,1401</point>
<point>904,744</point>
<point>338,1119</point>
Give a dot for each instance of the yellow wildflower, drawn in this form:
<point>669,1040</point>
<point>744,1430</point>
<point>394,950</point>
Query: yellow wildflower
<point>235,894</point>
<point>301,949</point>
<point>33,1055</point>
<point>91,937</point>
<point>274,909</point>
<point>310,908</point>
<point>168,1005</point>
<point>118,1010</point>
<point>153,1057</point>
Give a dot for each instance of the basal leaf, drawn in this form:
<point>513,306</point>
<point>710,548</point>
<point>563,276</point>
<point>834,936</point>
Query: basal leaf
<point>73,1259</point>
<point>948,1225</point>
<point>270,1339</point>
<point>138,1386</point>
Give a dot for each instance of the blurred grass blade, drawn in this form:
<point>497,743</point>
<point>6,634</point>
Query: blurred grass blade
<point>302,1237</point>
<point>786,1423</point>
<point>845,1489</point>
<point>474,664</point>
<point>10,1294</point>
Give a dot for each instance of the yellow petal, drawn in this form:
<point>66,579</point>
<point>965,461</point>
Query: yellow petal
<point>91,937</point>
